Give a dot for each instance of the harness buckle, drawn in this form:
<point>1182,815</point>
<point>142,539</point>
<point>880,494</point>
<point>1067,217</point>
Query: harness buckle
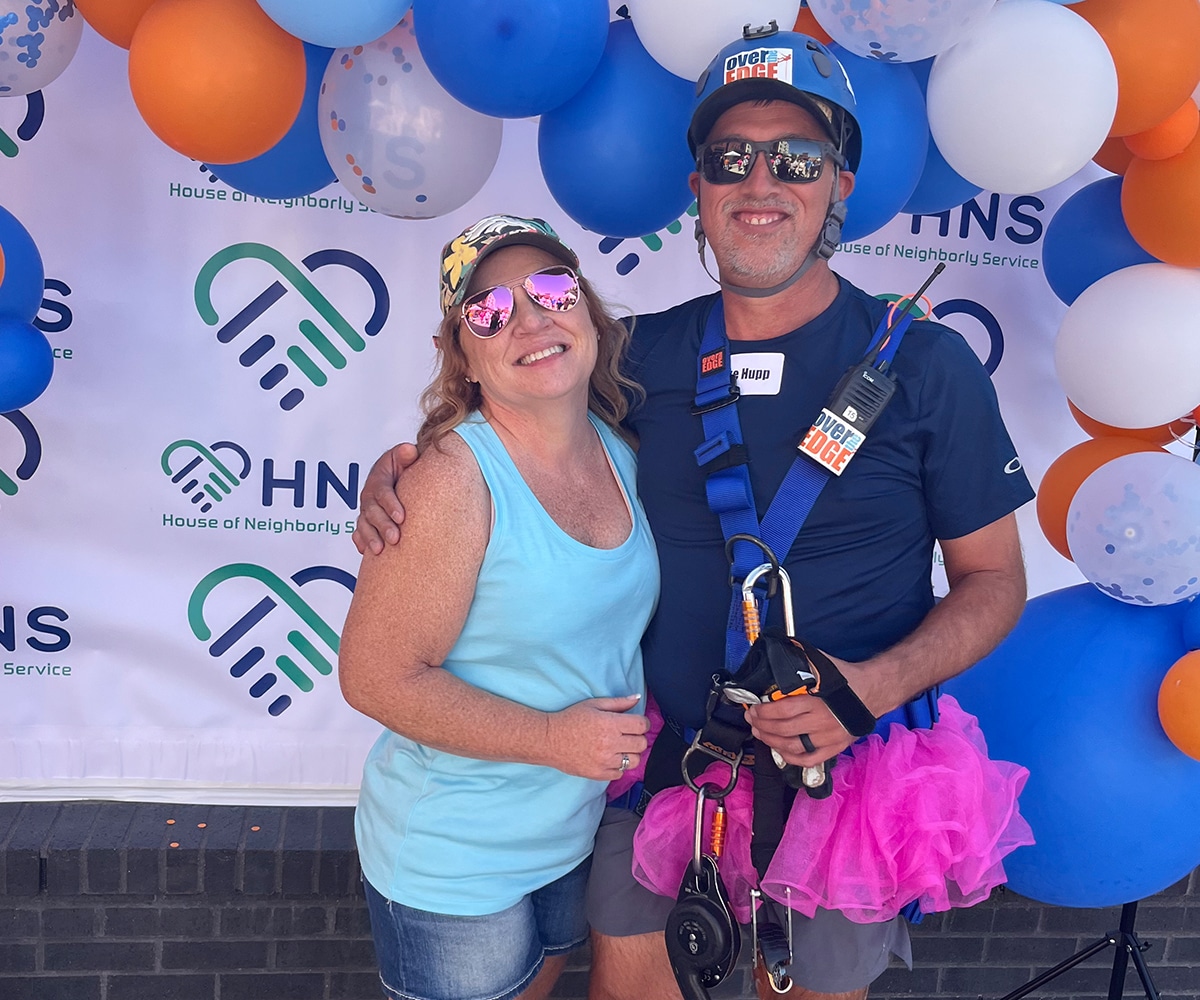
<point>731,396</point>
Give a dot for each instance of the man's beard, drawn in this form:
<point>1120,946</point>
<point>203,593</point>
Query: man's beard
<point>764,260</point>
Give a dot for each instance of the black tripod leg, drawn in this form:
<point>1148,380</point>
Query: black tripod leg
<point>1059,969</point>
<point>1116,985</point>
<point>1128,947</point>
<point>1139,963</point>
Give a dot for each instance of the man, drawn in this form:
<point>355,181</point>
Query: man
<point>776,144</point>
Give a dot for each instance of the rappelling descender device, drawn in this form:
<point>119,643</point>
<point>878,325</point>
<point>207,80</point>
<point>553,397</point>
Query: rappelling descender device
<point>703,938</point>
<point>780,665</point>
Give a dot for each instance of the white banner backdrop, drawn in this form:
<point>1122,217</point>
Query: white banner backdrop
<point>174,554</point>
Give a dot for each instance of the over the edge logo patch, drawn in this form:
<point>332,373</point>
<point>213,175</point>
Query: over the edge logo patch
<point>767,64</point>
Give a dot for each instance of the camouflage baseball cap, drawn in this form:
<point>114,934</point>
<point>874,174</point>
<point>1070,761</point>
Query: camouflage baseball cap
<point>462,254</point>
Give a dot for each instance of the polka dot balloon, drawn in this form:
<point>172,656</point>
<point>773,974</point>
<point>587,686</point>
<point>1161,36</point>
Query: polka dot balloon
<point>1133,528</point>
<point>38,38</point>
<point>396,140</point>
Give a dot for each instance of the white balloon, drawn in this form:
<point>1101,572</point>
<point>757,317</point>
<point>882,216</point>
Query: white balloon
<point>1126,349</point>
<point>1025,99</point>
<point>898,30</point>
<point>1133,528</point>
<point>395,138</point>
<point>35,44</point>
<point>682,36</point>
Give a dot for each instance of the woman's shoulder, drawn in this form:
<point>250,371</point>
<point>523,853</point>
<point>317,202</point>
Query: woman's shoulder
<point>446,472</point>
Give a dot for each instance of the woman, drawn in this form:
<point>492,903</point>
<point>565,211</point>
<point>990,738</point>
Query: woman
<point>498,641</point>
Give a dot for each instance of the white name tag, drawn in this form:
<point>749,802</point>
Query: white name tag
<point>758,374</point>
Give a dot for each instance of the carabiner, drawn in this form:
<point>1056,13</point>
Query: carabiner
<point>772,559</point>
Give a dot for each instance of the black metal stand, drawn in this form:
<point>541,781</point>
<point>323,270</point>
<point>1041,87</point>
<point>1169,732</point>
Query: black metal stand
<point>1128,947</point>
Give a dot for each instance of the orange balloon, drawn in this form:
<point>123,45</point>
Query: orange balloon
<point>1169,137</point>
<point>1114,155</point>
<point>1179,704</point>
<point>807,24</point>
<point>1160,202</point>
<point>114,19</point>
<point>1163,434</point>
<point>1067,473</point>
<point>1155,45</point>
<point>217,80</point>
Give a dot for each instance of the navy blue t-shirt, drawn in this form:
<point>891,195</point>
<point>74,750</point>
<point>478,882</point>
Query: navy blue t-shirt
<point>938,464</point>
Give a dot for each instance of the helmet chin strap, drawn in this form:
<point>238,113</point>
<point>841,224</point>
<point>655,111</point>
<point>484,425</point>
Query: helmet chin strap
<point>823,249</point>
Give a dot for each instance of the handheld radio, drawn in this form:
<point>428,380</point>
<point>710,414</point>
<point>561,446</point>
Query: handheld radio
<point>856,402</point>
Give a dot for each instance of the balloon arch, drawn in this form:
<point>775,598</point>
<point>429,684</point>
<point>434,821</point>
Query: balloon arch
<point>405,108</point>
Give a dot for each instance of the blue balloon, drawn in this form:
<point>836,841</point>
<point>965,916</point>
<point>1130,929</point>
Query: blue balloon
<point>296,165</point>
<point>615,156</point>
<point>512,60</point>
<point>22,279</point>
<point>1191,624</point>
<point>891,112</point>
<point>1087,238</point>
<point>1072,694</point>
<point>336,25</point>
<point>940,186</point>
<point>26,363</point>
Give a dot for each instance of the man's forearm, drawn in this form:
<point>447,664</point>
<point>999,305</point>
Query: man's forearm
<point>980,610</point>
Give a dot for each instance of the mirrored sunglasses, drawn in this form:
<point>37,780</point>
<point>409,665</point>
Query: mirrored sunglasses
<point>791,160</point>
<point>487,312</point>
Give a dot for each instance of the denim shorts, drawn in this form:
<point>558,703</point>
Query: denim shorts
<point>439,956</point>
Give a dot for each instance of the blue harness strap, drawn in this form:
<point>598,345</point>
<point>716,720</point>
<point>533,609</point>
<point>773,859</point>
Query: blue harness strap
<point>724,457</point>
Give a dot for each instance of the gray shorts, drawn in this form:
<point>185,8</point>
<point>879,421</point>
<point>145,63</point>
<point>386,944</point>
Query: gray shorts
<point>831,954</point>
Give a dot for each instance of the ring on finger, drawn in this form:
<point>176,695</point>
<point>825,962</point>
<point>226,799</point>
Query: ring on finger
<point>624,762</point>
<point>809,746</point>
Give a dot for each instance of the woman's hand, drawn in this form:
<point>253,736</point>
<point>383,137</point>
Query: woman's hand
<point>591,738</point>
<point>380,511</point>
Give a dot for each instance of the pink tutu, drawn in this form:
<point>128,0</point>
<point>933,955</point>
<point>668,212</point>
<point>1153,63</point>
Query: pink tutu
<point>925,816</point>
<point>662,845</point>
<point>627,780</point>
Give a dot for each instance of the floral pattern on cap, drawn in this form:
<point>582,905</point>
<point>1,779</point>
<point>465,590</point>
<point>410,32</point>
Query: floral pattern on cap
<point>462,253</point>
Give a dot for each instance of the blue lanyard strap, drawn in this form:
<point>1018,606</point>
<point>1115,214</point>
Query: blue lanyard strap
<point>723,458</point>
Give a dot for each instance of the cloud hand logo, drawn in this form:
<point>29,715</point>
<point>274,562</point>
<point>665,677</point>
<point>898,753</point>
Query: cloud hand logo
<point>33,452</point>
<point>320,352</point>
<point>318,657</point>
<point>220,481</point>
<point>35,114</point>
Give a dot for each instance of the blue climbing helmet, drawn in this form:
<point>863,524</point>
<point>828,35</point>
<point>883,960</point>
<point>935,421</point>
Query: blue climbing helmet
<point>767,64</point>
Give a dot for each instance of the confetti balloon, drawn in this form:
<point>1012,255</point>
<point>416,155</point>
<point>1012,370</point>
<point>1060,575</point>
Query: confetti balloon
<point>1134,528</point>
<point>395,138</point>
<point>898,30</point>
<point>37,40</point>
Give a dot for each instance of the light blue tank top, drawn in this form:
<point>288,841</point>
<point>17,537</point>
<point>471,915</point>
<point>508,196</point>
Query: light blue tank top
<point>552,622</point>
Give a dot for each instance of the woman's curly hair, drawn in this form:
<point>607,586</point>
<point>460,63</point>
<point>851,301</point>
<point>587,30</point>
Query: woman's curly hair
<point>450,397</point>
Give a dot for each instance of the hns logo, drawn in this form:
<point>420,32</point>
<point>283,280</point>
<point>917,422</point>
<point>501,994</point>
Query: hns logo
<point>220,481</point>
<point>318,659</point>
<point>35,114</point>
<point>319,344</point>
<point>32,451</point>
<point>964,307</point>
<point>652,241</point>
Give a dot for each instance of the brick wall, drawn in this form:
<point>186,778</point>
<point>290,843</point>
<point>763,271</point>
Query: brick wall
<point>108,901</point>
